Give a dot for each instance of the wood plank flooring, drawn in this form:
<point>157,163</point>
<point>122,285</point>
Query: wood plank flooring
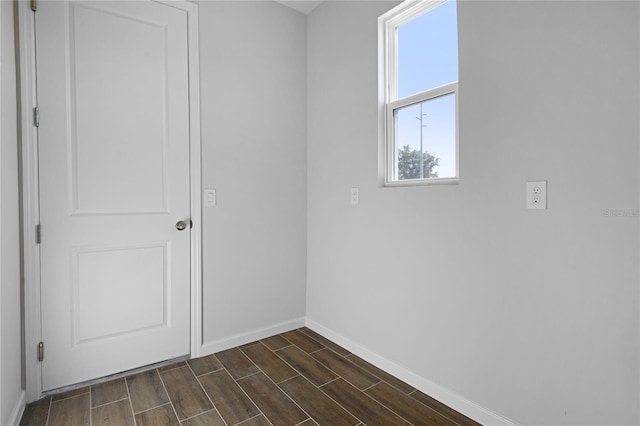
<point>294,378</point>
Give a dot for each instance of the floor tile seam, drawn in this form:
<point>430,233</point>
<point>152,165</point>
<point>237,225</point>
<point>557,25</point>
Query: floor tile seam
<point>153,408</point>
<point>287,340</point>
<point>212,371</point>
<point>309,335</point>
<point>396,413</point>
<point>247,395</point>
<point>369,387</point>
<point>205,412</point>
<point>298,371</point>
<point>345,379</point>
<point>336,401</point>
<point>290,378</point>
<point>380,378</point>
<point>251,418</point>
<point>415,400</point>
<point>111,402</point>
<point>368,371</point>
<point>267,376</point>
<point>284,347</point>
<point>425,405</point>
<point>69,397</point>
<point>299,330</point>
<point>379,402</point>
<point>323,344</point>
<point>208,372</point>
<point>133,414</point>
<point>325,384</point>
<point>339,376</point>
<point>391,411</point>
<point>334,352</point>
<point>168,367</point>
<point>205,373</point>
<point>397,388</point>
<point>254,364</point>
<point>387,408</point>
<point>285,393</point>
<point>164,386</point>
<point>249,359</point>
<point>203,391</point>
<point>297,346</point>
<point>150,408</point>
<point>90,404</point>
<point>263,372</point>
<point>49,411</point>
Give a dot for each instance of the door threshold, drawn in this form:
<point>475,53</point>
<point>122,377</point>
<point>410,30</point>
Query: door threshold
<point>104,379</point>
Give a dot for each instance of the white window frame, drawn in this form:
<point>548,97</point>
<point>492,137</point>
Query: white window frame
<point>389,102</point>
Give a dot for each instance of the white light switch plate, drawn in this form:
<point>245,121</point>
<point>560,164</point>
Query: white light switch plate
<point>209,197</point>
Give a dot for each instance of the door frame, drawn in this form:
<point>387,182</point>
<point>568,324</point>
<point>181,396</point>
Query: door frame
<point>30,191</point>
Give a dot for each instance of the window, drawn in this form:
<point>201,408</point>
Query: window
<point>419,99</point>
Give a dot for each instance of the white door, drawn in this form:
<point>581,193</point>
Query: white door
<point>112,88</point>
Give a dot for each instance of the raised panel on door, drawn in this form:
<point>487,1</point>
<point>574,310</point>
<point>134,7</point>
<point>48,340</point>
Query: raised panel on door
<point>114,167</point>
<point>125,276</point>
<point>131,128</point>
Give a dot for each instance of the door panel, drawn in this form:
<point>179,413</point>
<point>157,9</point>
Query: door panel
<point>114,179</point>
<point>128,130</point>
<point>135,274</point>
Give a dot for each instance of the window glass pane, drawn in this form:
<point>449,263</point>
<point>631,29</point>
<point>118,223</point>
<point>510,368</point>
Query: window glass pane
<point>427,128</point>
<point>428,51</point>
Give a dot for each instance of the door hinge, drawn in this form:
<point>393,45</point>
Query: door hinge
<point>40,351</point>
<point>36,117</point>
<point>38,234</point>
<point>34,5</point>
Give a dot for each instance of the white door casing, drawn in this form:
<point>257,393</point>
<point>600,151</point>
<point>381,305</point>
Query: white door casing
<point>115,85</point>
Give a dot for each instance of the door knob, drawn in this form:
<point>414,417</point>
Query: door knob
<point>181,225</point>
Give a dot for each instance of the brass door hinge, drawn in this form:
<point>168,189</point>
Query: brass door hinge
<point>40,351</point>
<point>34,5</point>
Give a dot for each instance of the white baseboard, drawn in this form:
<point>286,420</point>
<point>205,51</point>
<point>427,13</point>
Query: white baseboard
<point>18,409</point>
<point>250,336</point>
<point>447,397</point>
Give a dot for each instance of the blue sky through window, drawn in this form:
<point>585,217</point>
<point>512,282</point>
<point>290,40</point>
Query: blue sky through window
<point>427,49</point>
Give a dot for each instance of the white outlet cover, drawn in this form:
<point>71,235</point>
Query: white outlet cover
<point>355,196</point>
<point>537,195</point>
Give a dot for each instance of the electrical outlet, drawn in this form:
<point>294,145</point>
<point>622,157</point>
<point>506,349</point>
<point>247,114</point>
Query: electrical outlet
<point>355,196</point>
<point>537,195</point>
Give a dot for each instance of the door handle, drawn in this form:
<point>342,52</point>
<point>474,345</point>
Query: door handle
<point>181,225</point>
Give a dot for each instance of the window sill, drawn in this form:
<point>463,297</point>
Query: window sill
<point>423,182</point>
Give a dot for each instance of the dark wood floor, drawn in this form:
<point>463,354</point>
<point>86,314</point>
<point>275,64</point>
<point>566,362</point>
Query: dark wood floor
<point>294,378</point>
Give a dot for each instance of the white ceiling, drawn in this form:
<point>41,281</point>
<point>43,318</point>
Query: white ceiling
<point>304,6</point>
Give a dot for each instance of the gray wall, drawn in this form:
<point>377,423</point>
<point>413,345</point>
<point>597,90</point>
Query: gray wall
<point>10,332</point>
<point>253,87</point>
<point>530,314</point>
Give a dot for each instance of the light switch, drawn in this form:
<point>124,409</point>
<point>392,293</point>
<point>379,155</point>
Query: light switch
<point>210,197</point>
